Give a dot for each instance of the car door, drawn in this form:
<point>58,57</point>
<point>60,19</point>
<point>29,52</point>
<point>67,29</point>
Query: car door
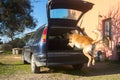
<point>28,48</point>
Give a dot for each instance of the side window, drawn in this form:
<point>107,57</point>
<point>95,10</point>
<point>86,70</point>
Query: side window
<point>38,34</point>
<point>30,39</point>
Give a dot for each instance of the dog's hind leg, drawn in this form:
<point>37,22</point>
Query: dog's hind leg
<point>93,55</point>
<point>86,53</point>
<point>93,61</point>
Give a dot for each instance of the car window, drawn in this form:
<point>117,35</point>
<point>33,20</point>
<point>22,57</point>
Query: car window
<point>65,14</point>
<point>38,34</point>
<point>30,40</point>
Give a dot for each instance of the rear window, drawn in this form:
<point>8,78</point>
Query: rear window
<point>65,14</point>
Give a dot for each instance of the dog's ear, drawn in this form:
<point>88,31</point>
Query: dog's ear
<point>76,31</point>
<point>67,36</point>
<point>83,29</point>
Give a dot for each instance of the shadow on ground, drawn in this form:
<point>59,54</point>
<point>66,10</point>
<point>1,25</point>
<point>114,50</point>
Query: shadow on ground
<point>101,68</point>
<point>104,68</point>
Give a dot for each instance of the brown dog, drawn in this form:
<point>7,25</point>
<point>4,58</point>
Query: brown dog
<point>85,43</point>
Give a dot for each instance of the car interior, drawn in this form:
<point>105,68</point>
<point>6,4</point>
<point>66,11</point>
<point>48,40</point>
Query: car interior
<point>58,39</point>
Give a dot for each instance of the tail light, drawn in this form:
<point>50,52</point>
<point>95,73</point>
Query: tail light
<point>44,35</point>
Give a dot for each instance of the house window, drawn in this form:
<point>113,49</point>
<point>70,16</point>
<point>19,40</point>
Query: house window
<point>107,27</point>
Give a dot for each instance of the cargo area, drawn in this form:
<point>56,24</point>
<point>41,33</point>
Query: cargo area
<point>58,39</point>
<point>59,52</point>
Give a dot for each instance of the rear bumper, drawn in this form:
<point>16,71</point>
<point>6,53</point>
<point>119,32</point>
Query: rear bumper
<point>60,58</point>
<point>65,58</point>
<point>40,60</point>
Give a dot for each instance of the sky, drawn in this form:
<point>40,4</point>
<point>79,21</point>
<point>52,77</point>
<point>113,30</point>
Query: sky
<point>39,13</point>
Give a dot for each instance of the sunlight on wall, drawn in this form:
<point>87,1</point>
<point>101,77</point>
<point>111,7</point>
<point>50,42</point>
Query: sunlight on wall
<point>93,20</point>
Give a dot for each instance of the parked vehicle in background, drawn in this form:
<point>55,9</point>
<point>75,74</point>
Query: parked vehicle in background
<point>48,46</point>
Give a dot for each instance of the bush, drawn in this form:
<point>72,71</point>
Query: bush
<point>17,43</point>
<point>6,47</point>
<point>118,51</point>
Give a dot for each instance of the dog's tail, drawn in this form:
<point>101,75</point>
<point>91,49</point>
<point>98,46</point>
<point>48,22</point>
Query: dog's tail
<point>99,36</point>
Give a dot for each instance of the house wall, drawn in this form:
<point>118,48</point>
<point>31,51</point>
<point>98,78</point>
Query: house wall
<point>92,20</point>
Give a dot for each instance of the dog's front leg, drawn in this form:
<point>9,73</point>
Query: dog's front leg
<point>71,45</point>
<point>93,61</point>
<point>85,51</point>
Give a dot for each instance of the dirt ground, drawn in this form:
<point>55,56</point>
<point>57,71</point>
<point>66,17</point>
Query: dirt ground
<point>101,71</point>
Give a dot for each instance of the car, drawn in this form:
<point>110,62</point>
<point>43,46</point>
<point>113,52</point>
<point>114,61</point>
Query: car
<point>48,45</point>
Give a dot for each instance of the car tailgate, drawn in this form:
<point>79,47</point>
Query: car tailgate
<point>59,57</point>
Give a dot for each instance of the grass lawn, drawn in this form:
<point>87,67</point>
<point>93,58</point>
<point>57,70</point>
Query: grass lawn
<point>11,64</point>
<point>11,68</point>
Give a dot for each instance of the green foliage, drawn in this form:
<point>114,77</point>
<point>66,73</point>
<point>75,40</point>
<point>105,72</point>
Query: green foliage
<point>15,16</point>
<point>6,47</point>
<point>8,69</point>
<point>7,52</point>
<point>118,51</point>
<point>17,43</point>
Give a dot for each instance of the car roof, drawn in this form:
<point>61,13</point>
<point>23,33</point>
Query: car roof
<point>79,5</point>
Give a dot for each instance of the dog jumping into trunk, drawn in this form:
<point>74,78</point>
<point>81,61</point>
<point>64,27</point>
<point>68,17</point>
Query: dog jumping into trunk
<point>86,43</point>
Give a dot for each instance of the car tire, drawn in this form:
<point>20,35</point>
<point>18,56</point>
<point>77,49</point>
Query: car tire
<point>23,60</point>
<point>34,68</point>
<point>78,66</point>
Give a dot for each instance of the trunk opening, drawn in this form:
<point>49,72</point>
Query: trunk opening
<point>58,41</point>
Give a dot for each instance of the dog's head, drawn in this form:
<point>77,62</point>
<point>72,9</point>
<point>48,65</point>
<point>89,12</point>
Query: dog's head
<point>71,38</point>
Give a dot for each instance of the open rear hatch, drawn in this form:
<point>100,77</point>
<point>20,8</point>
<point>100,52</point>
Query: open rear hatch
<point>58,27</point>
<point>60,23</point>
<point>78,5</point>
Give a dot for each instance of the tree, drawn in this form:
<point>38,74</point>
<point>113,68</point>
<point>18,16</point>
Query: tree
<point>15,17</point>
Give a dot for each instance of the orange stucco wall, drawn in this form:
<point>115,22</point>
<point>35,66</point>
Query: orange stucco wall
<point>92,20</point>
